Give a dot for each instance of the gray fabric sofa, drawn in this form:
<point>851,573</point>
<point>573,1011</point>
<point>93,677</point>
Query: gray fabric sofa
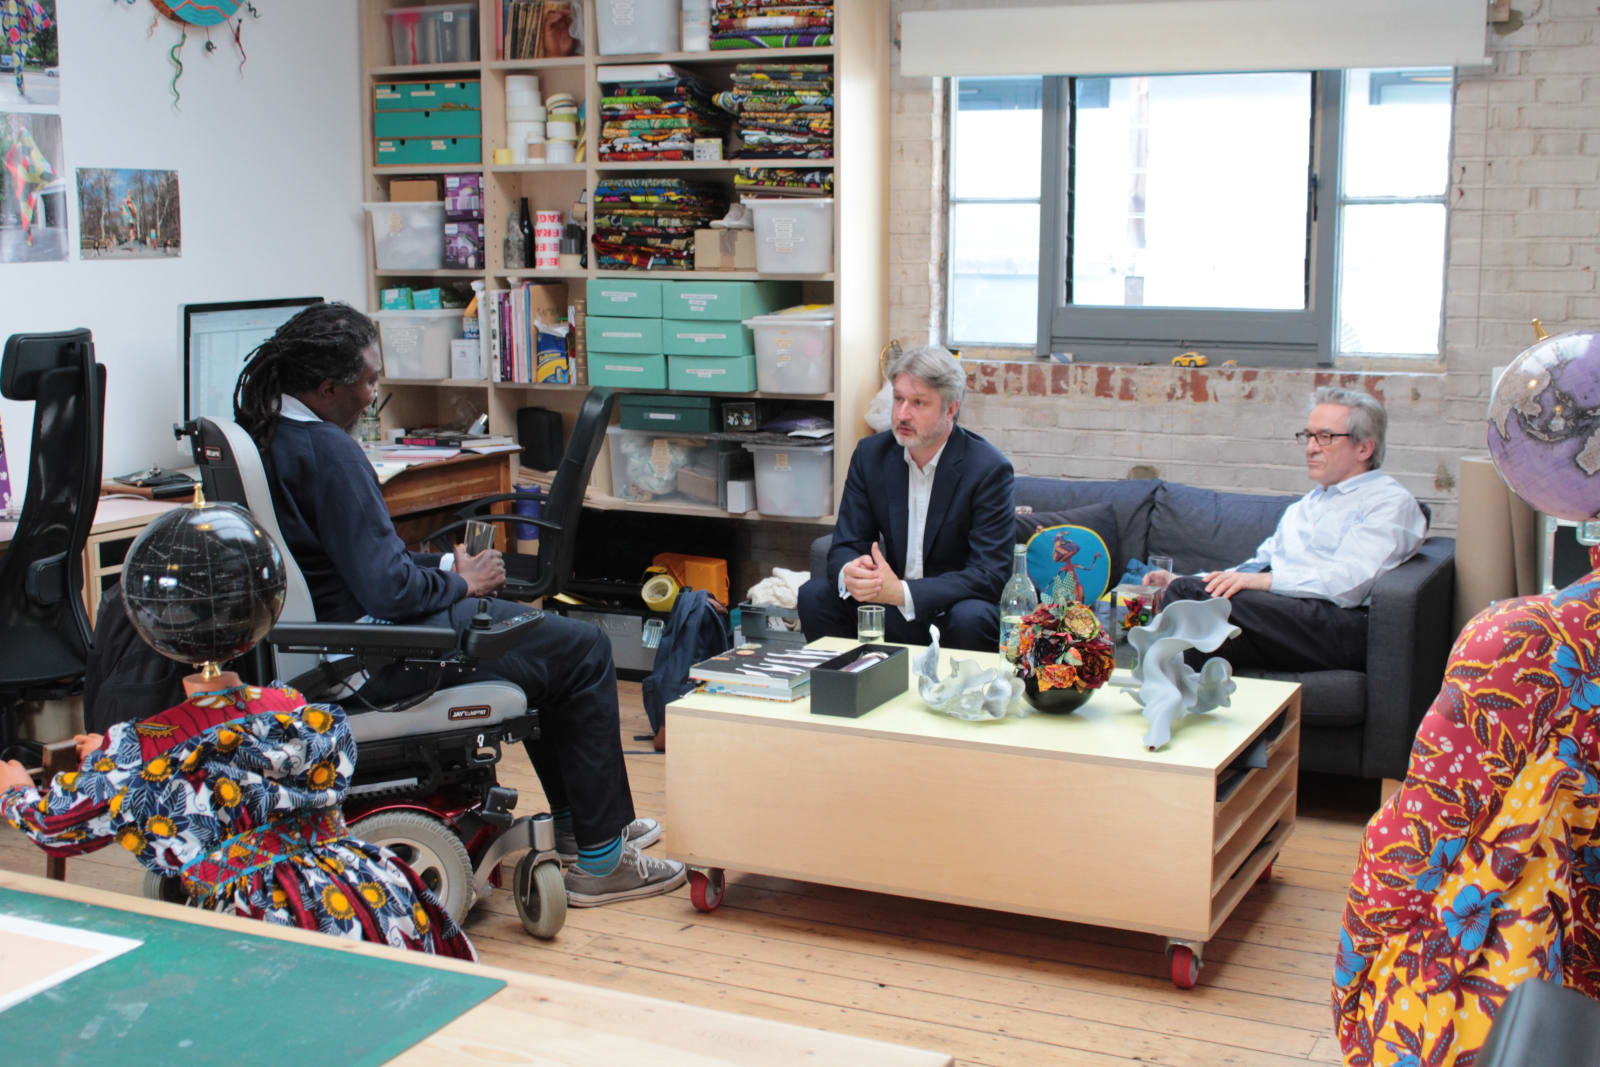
<point>1352,723</point>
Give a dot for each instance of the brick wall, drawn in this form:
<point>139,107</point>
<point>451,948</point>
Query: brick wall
<point>1524,239</point>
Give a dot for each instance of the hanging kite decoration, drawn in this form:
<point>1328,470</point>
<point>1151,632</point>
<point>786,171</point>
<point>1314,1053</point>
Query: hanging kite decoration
<point>20,22</point>
<point>203,14</point>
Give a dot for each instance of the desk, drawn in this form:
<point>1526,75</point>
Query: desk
<point>117,522</point>
<point>532,1020</point>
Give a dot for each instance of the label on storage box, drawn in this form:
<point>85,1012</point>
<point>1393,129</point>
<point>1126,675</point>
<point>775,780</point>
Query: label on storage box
<point>624,368</point>
<point>780,461</point>
<point>618,296</point>
<point>705,372</point>
<point>701,338</point>
<point>637,335</point>
<point>663,416</point>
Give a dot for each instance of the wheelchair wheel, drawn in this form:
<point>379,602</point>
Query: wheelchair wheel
<point>541,896</point>
<point>428,847</point>
<point>165,888</point>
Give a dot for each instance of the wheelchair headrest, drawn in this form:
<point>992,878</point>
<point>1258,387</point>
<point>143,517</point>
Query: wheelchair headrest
<point>30,356</point>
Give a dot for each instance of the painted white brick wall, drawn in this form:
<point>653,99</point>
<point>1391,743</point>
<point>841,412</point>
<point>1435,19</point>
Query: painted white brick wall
<point>1524,232</point>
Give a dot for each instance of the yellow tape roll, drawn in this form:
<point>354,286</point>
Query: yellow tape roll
<point>660,592</point>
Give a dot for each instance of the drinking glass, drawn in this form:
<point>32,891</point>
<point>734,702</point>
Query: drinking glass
<point>479,536</point>
<point>869,623</point>
<point>1158,563</point>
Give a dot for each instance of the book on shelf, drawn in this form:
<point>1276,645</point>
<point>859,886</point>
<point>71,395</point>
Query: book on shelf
<point>432,438</point>
<point>419,453</point>
<point>769,672</point>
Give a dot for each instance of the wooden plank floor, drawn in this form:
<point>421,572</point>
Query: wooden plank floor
<point>986,987</point>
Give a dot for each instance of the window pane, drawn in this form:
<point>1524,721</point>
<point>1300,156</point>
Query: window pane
<point>1390,249</point>
<point>994,273</point>
<point>1191,191</point>
<point>995,153</point>
<point>1396,132</point>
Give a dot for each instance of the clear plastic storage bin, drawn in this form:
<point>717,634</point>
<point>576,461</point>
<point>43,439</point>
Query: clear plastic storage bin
<point>408,235</point>
<point>794,350</point>
<point>629,26</point>
<point>793,235</point>
<point>416,344</point>
<point>434,33</point>
<point>793,481</point>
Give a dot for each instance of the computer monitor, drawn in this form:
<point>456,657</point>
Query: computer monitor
<point>217,339</point>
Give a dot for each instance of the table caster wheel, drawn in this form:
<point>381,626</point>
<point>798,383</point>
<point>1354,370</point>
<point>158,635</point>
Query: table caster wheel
<point>1266,874</point>
<point>1185,967</point>
<point>706,888</point>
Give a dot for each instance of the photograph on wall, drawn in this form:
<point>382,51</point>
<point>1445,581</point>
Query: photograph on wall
<point>128,214</point>
<point>29,65</point>
<point>33,191</point>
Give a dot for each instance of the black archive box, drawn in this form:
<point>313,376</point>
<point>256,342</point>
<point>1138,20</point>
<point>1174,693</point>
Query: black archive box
<point>851,694</point>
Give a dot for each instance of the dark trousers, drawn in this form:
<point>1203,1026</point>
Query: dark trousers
<point>973,625</point>
<point>564,667</point>
<point>1284,633</point>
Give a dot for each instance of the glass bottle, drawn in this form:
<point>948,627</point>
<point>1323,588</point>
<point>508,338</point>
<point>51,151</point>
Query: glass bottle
<point>1017,600</point>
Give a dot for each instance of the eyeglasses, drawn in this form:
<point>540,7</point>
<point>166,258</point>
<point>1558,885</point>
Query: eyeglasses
<point>1324,437</point>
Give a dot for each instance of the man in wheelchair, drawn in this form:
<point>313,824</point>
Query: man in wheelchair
<point>299,396</point>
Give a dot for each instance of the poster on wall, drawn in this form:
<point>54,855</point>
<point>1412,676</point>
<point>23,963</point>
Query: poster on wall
<point>33,195</point>
<point>128,214</point>
<point>29,65</point>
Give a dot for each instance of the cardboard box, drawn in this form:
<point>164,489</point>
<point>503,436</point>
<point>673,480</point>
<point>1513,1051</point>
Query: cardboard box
<point>549,301</point>
<point>414,190</point>
<point>724,250</point>
<point>463,245</point>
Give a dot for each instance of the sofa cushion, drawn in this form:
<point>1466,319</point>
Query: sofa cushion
<point>1097,517</point>
<point>1130,499</point>
<point>1327,698</point>
<point>1203,530</point>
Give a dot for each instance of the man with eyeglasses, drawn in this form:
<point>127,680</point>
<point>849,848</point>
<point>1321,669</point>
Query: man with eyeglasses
<point>1301,600</point>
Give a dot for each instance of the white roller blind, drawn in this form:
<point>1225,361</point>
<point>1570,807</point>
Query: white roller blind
<point>1187,36</point>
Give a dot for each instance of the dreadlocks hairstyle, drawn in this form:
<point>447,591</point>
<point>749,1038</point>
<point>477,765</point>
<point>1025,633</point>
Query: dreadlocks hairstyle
<point>325,342</point>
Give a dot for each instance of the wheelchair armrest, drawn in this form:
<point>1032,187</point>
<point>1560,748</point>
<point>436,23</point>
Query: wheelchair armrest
<point>397,642</point>
<point>495,640</point>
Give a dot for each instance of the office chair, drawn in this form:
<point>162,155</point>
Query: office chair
<point>44,630</point>
<point>425,783</point>
<point>529,577</point>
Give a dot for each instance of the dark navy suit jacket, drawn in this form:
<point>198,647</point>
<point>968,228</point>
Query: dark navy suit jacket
<point>971,527</point>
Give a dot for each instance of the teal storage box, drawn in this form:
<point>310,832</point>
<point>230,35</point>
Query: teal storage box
<point>428,151</point>
<point>725,301</point>
<point>627,372</point>
<point>702,337</point>
<point>426,96</point>
<point>710,374</point>
<point>624,298</point>
<point>450,123</point>
<point>680,414</point>
<point>636,336</point>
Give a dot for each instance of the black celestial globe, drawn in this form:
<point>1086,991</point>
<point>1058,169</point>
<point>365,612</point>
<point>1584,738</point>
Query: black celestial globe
<point>203,583</point>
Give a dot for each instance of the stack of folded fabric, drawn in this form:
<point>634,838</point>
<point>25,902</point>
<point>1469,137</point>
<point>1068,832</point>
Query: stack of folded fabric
<point>783,179</point>
<point>654,112</point>
<point>771,23</point>
<point>649,223</point>
<point>784,110</point>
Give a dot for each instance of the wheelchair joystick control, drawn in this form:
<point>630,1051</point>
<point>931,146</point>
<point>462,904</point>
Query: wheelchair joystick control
<point>482,620</point>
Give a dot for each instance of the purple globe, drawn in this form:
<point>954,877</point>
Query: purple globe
<point>1544,425</point>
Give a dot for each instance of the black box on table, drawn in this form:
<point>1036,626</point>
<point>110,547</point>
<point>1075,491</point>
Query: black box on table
<point>851,694</point>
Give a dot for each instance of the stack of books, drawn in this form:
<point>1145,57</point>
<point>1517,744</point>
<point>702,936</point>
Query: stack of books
<point>767,672</point>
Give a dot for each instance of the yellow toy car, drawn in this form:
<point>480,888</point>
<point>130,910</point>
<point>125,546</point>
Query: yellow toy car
<point>1190,358</point>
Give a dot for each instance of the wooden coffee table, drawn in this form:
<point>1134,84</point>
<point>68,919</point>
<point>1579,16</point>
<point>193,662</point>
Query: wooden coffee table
<point>1064,816</point>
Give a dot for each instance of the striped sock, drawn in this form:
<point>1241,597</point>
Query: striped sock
<point>600,859</point>
<point>563,819</point>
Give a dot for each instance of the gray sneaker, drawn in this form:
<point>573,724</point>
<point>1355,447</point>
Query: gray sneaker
<point>640,832</point>
<point>636,875</point>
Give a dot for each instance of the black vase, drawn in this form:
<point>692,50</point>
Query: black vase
<point>1060,701</point>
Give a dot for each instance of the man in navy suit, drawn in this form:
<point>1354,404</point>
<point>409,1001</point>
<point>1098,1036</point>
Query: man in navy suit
<point>938,498</point>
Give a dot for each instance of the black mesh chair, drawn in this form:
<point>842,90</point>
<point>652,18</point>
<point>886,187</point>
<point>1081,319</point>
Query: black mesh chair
<point>44,630</point>
<point>529,576</point>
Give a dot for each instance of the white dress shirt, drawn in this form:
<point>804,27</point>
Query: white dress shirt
<point>1335,542</point>
<point>919,490</point>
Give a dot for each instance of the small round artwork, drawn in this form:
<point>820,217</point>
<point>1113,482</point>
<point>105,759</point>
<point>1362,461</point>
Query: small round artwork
<point>1078,549</point>
<point>203,584</point>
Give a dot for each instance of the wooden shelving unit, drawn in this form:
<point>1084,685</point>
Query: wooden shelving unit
<point>857,286</point>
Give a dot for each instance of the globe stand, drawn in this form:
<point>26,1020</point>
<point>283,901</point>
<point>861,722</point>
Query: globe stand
<point>210,678</point>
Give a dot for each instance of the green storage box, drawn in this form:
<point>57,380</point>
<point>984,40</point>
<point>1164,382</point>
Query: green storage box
<point>703,337</point>
<point>624,298</point>
<point>426,96</point>
<point>603,333</point>
<point>710,374</point>
<point>725,301</point>
<point>447,123</point>
<point>684,414</point>
<point>428,151</point>
<point>628,372</point>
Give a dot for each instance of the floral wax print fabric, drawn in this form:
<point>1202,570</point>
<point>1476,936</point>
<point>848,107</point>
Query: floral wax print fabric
<point>1483,870</point>
<point>238,792</point>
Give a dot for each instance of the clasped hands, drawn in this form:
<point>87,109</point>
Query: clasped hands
<point>870,580</point>
<point>1218,583</point>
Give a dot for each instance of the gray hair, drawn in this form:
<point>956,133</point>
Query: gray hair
<point>1368,420</point>
<point>934,365</point>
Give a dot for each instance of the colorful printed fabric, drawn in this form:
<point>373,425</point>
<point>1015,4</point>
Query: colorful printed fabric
<point>1483,870</point>
<point>811,39</point>
<point>753,179</point>
<point>238,793</point>
<point>29,168</point>
<point>20,20</point>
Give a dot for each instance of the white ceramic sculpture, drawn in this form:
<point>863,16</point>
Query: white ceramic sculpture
<point>971,692</point>
<point>1168,688</point>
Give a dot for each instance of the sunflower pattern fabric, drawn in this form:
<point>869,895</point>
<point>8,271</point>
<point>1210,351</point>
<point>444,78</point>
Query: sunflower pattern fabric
<point>238,793</point>
<point>1483,870</point>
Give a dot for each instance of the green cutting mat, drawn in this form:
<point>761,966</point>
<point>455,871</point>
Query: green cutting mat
<point>211,995</point>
